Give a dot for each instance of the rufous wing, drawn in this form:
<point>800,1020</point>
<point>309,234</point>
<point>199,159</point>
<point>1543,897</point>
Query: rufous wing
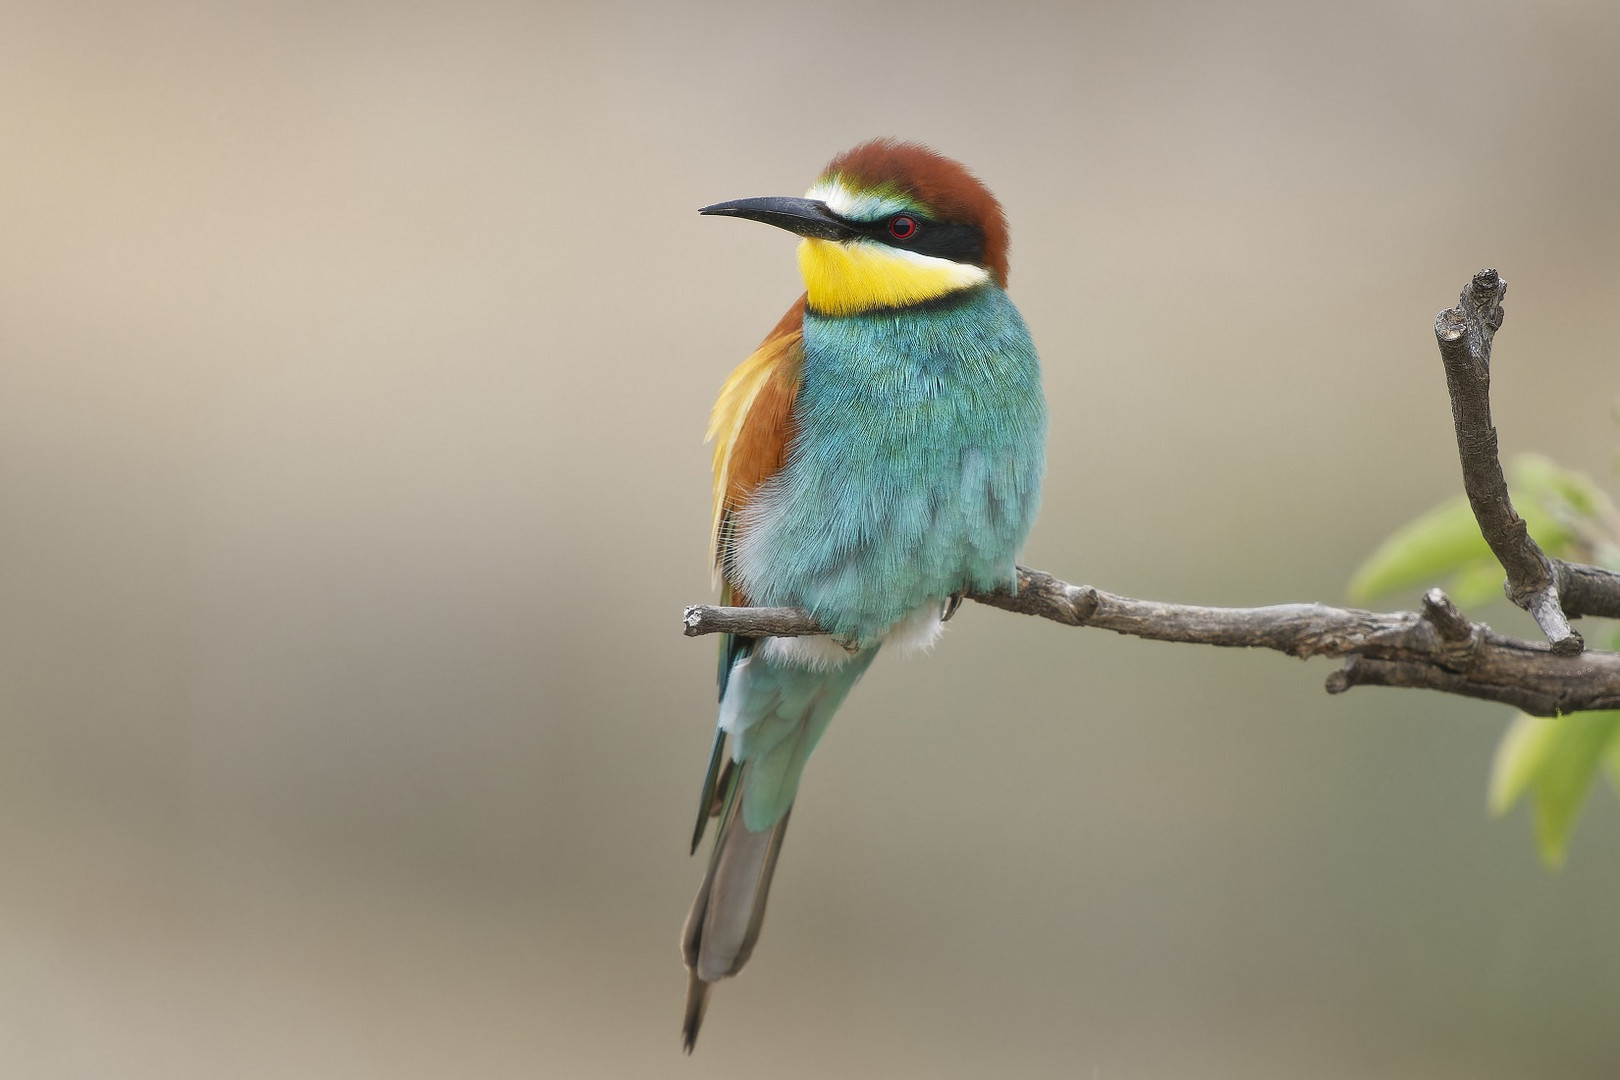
<point>751,428</point>
<point>752,425</point>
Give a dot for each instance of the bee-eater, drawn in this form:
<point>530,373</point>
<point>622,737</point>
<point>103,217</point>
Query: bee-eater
<point>880,453</point>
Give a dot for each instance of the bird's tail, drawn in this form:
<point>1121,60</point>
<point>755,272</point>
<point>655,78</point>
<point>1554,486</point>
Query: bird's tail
<point>725,919</point>
<point>774,714</point>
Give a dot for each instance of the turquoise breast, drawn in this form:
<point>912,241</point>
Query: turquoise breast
<point>915,470</point>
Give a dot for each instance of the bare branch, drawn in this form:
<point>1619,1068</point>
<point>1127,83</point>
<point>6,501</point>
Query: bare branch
<point>749,621</point>
<point>1452,623</point>
<point>1437,650</point>
<point>1534,581</point>
<point>1587,590</point>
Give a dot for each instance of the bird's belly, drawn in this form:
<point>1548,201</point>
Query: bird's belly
<point>873,548</point>
<point>914,472</point>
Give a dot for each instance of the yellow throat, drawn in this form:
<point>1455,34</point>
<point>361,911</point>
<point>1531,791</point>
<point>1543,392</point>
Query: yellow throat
<point>848,277</point>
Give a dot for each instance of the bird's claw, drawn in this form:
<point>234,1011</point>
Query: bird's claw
<point>952,602</point>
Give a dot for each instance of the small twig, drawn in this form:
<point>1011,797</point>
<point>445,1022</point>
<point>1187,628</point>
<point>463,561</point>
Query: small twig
<point>1465,333</point>
<point>1438,650</point>
<point>1551,590</point>
<point>752,622</point>
<point>1452,623</point>
<point>1587,590</point>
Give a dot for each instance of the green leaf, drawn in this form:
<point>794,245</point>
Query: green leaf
<point>1435,545</point>
<point>1563,510</point>
<point>1555,489</point>
<point>1553,501</point>
<point>1556,760</point>
<point>1519,755</point>
<point>1611,765</point>
<point>1477,583</point>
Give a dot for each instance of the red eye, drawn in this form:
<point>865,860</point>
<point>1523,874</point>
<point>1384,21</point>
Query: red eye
<point>902,227</point>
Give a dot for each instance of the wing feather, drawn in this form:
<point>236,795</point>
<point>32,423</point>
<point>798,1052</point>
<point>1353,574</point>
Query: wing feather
<point>751,428</point>
<point>752,424</point>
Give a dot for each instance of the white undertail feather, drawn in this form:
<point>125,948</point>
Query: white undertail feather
<point>919,632</point>
<point>817,652</point>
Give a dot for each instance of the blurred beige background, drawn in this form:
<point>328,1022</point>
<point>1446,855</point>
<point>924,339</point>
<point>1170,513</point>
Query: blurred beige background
<point>354,363</point>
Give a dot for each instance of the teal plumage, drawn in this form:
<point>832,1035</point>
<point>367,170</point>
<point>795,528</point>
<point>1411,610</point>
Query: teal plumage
<point>881,452</point>
<point>775,713</point>
<point>916,468</point>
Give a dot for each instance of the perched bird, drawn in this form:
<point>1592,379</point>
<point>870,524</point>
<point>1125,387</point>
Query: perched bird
<point>880,453</point>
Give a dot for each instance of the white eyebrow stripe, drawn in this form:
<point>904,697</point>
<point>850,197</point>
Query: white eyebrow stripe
<point>855,205</point>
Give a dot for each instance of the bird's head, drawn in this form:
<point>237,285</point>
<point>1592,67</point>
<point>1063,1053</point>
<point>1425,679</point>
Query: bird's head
<point>889,224</point>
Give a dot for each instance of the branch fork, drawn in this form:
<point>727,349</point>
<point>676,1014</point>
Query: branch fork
<point>1465,334</point>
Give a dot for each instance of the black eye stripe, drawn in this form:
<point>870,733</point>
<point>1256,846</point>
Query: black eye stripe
<point>942,239</point>
<point>945,240</point>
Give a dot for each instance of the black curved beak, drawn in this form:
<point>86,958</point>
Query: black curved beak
<point>807,217</point>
